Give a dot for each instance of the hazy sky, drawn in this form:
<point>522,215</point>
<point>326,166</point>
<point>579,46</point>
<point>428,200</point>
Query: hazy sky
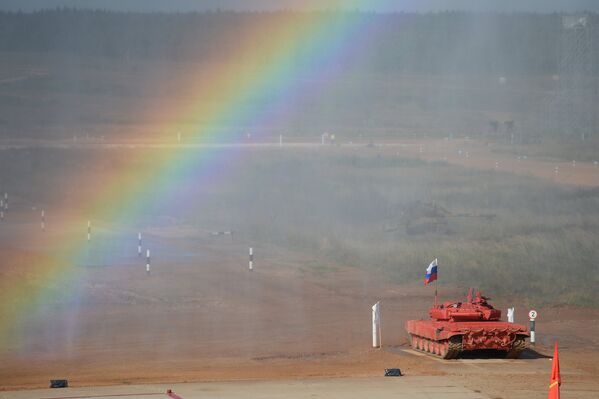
<point>375,5</point>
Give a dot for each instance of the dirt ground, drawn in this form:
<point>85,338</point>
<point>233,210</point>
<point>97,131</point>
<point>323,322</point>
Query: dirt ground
<point>202,316</point>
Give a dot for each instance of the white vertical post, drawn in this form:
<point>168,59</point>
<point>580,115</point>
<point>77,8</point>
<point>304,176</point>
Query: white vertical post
<point>43,220</point>
<point>1,209</point>
<point>89,230</point>
<point>139,244</point>
<point>179,137</point>
<point>376,325</point>
<point>280,140</point>
<point>148,262</point>
<point>322,139</point>
<point>573,164</point>
<point>510,315</point>
<point>251,264</point>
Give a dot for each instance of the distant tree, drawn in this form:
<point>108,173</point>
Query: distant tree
<point>494,126</point>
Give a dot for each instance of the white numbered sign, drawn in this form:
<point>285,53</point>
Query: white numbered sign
<point>532,314</point>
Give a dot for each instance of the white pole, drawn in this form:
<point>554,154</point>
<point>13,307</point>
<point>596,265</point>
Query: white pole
<point>89,230</point>
<point>148,262</point>
<point>510,315</point>
<point>251,265</point>
<point>280,140</point>
<point>43,220</point>
<point>179,137</point>
<point>322,139</point>
<point>376,325</point>
<point>139,244</point>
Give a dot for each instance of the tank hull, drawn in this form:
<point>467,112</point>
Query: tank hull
<point>448,339</point>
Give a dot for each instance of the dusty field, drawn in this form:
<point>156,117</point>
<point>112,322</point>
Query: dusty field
<point>202,316</point>
<point>482,155</point>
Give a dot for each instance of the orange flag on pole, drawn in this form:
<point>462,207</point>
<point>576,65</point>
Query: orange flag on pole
<point>556,380</point>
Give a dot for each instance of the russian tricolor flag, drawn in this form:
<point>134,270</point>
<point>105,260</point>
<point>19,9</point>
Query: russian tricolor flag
<point>431,272</point>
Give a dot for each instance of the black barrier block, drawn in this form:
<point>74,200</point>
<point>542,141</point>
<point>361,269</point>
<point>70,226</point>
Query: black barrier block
<point>393,373</point>
<point>59,384</point>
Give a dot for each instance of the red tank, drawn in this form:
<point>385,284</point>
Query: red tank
<point>465,326</point>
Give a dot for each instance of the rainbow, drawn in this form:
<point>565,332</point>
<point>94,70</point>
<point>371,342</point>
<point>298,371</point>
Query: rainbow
<point>333,39</point>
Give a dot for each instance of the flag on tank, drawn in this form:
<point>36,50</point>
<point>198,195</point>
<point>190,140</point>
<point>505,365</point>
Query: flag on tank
<point>431,272</point>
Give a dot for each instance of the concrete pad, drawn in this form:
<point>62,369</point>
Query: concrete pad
<point>417,387</point>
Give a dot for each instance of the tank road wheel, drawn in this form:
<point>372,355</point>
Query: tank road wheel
<point>437,348</point>
<point>414,342</point>
<point>425,344</point>
<point>518,346</point>
<point>443,349</point>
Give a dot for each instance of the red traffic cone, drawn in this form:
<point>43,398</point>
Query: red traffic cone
<point>556,380</point>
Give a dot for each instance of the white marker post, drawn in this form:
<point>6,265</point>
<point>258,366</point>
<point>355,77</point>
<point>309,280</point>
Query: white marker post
<point>510,315</point>
<point>179,137</point>
<point>1,209</point>
<point>376,325</point>
<point>532,315</point>
<point>148,262</point>
<point>89,230</point>
<point>139,244</point>
<point>43,220</point>
<point>251,265</point>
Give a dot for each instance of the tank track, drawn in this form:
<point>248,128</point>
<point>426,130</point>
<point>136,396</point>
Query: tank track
<point>446,349</point>
<point>455,347</point>
<point>518,346</point>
